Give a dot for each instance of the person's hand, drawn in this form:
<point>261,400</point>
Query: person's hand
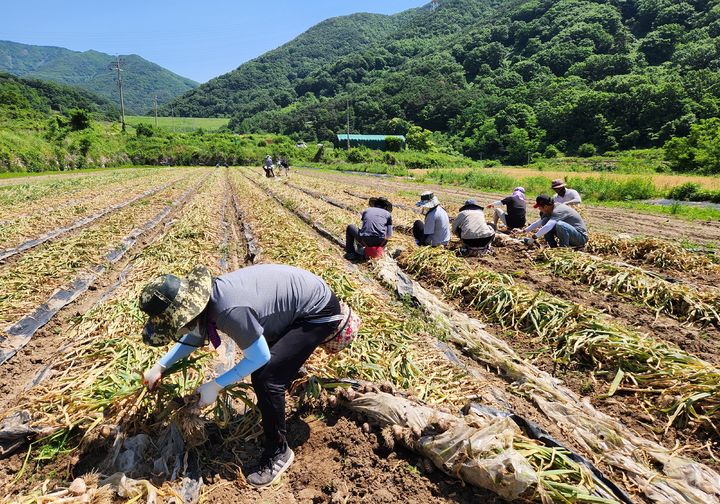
<point>208,393</point>
<point>528,241</point>
<point>152,376</point>
<point>516,231</point>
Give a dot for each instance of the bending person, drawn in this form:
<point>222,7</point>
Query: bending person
<point>473,230</point>
<point>515,216</point>
<point>560,225</point>
<point>435,231</point>
<point>375,231</point>
<point>278,315</point>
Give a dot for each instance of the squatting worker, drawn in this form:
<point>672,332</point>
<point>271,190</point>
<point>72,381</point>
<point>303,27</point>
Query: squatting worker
<point>376,228</point>
<point>278,315</point>
<point>473,230</point>
<point>561,225</point>
<point>435,231</point>
<point>565,195</point>
<point>269,167</point>
<point>514,218</point>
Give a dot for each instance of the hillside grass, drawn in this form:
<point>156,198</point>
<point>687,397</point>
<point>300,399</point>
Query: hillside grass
<point>180,124</point>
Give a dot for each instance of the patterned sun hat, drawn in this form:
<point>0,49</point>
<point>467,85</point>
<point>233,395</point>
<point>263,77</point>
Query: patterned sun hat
<point>428,200</point>
<point>172,303</point>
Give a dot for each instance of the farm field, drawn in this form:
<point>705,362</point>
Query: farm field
<point>601,218</point>
<point>660,180</point>
<point>610,354</point>
<point>180,124</point>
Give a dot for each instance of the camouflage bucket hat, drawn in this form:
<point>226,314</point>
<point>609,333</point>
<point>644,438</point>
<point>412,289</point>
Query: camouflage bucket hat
<point>172,303</point>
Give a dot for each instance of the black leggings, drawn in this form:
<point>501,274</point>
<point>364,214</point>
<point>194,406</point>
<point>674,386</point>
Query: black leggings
<point>287,355</point>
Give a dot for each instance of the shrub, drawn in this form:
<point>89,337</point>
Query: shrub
<point>143,129</point>
<point>393,144</point>
<point>357,155</point>
<point>587,150</point>
<point>79,119</point>
<point>419,139</point>
<point>684,192</point>
<point>551,152</point>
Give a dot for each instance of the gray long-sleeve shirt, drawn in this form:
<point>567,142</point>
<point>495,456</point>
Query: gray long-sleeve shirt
<point>265,300</point>
<point>376,222</point>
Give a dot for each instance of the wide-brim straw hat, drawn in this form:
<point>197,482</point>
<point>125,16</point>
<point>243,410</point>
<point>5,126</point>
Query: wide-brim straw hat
<point>558,184</point>
<point>381,202</point>
<point>171,303</point>
<point>428,200</point>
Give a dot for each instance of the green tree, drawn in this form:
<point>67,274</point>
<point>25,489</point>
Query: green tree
<point>419,139</point>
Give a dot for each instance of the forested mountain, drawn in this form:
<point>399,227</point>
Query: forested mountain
<point>91,70</point>
<point>20,95</point>
<point>499,78</point>
<point>270,81</point>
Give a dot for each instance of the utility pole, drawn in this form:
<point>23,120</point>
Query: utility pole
<point>116,66</point>
<point>348,123</point>
<point>156,125</point>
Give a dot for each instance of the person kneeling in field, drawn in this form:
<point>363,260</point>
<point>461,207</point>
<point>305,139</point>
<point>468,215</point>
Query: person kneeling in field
<point>278,315</point>
<point>375,231</point>
<point>514,218</point>
<point>560,225</point>
<point>435,231</point>
<point>473,230</point>
<point>569,197</point>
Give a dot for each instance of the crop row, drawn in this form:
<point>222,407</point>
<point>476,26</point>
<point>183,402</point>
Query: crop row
<point>626,452</point>
<point>67,215</point>
<point>58,262</point>
<point>94,378</point>
<point>674,299</point>
<point>32,194</point>
<point>390,346</point>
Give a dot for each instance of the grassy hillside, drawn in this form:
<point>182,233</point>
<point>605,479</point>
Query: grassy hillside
<point>501,79</point>
<point>91,70</point>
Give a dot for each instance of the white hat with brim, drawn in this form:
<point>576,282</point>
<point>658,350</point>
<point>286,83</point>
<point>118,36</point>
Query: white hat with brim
<point>428,200</point>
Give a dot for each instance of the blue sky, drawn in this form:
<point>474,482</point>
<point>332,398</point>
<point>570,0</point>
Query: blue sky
<point>197,39</point>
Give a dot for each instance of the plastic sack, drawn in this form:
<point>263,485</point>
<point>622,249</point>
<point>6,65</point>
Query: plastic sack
<point>477,450</point>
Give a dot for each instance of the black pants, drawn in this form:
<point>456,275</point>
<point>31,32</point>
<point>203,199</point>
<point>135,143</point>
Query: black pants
<point>287,355</point>
<point>419,232</point>
<point>478,242</point>
<point>352,235</point>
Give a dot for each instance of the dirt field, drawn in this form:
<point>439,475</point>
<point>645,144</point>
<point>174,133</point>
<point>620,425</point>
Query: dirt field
<point>77,375</point>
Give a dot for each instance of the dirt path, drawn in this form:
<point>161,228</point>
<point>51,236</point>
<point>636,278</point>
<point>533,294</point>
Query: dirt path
<point>601,218</point>
<point>336,461</point>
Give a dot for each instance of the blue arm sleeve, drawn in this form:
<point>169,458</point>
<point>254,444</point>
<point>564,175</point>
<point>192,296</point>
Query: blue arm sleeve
<point>180,351</point>
<point>254,357</point>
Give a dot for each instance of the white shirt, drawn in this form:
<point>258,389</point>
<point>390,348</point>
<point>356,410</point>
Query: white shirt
<point>572,197</point>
